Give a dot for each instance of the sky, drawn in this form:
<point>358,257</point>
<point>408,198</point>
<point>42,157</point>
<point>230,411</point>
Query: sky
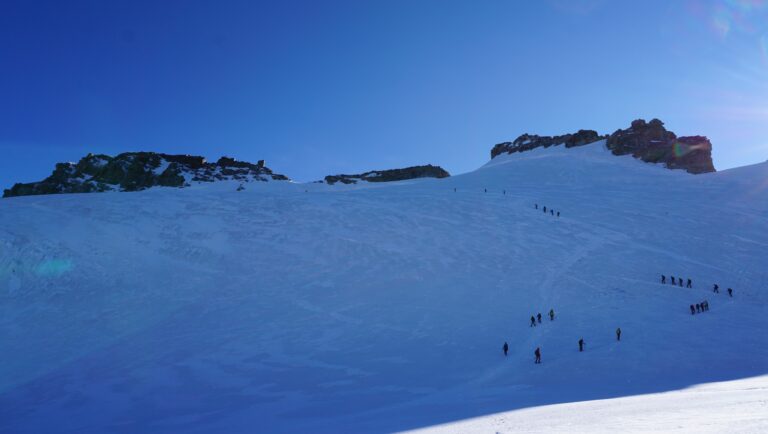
<point>325,87</point>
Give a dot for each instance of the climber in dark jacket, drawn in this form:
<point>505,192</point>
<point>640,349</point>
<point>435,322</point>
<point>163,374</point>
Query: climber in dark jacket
<point>618,334</point>
<point>537,353</point>
<point>693,310</point>
<point>673,279</point>
<point>581,344</point>
<point>538,317</point>
<point>730,292</point>
<point>698,307</point>
<point>689,285</point>
<point>558,213</point>
<point>506,348</point>
<point>680,281</point>
<point>663,279</point>
<point>717,289</point>
<point>533,322</point>
<point>551,314</point>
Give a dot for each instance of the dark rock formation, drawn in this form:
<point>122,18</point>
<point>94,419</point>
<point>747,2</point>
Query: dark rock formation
<point>134,171</point>
<point>648,141</point>
<point>428,171</point>
<point>526,142</point>
<point>651,142</point>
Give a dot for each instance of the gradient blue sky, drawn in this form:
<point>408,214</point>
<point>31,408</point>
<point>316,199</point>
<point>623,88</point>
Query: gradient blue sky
<point>322,87</point>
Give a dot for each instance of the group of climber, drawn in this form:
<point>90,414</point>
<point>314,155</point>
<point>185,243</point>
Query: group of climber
<point>699,307</point>
<point>716,290</point>
<point>551,211</point>
<point>679,281</point>
<point>537,352</point>
<point>538,317</point>
<point>689,284</point>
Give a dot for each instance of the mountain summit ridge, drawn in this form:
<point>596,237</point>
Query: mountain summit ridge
<point>647,141</point>
<point>134,171</point>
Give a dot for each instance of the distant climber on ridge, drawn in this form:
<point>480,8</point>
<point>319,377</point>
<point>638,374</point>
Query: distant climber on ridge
<point>581,344</point>
<point>533,321</point>
<point>537,353</point>
<point>690,284</point>
<point>716,289</point>
<point>663,279</point>
<point>693,310</point>
<point>730,292</point>
<point>505,348</point>
<point>618,334</point>
<point>538,317</point>
<point>673,279</point>
<point>551,314</point>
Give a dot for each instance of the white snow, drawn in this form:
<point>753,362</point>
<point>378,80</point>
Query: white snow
<point>383,307</point>
<point>162,167</point>
<point>732,406</point>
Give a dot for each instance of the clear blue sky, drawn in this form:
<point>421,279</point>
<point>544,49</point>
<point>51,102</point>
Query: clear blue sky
<point>322,87</point>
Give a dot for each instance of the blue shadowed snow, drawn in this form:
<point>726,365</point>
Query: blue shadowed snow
<point>381,307</point>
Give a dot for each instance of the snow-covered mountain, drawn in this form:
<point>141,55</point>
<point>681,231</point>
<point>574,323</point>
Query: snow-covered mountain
<point>379,307</point>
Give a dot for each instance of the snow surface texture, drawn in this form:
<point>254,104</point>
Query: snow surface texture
<point>381,307</point>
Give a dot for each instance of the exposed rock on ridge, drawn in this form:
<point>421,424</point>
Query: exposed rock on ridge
<point>134,171</point>
<point>526,142</point>
<point>648,141</point>
<point>651,142</point>
<point>428,171</point>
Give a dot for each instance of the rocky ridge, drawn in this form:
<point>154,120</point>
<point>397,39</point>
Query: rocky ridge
<point>526,142</point>
<point>647,141</point>
<point>133,171</point>
<point>427,171</point>
<point>652,143</point>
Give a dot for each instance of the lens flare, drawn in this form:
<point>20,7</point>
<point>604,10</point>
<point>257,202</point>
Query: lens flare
<point>764,46</point>
<point>680,149</point>
<point>54,267</point>
<point>721,22</point>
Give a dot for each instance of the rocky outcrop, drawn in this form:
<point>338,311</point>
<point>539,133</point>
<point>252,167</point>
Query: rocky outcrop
<point>428,171</point>
<point>651,142</point>
<point>134,171</point>
<point>526,142</point>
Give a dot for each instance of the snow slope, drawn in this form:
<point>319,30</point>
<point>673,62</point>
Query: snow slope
<point>731,406</point>
<point>372,308</point>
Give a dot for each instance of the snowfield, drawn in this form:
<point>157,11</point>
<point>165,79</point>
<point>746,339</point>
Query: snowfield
<point>382,307</point>
<point>733,406</point>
